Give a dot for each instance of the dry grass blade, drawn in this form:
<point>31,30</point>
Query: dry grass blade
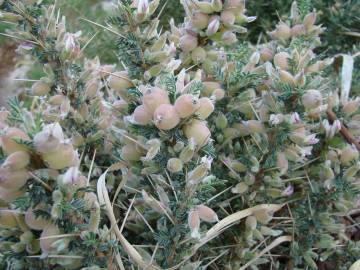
<point>128,248</point>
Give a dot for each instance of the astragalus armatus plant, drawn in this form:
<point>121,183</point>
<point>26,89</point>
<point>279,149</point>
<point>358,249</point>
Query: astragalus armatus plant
<point>195,150</point>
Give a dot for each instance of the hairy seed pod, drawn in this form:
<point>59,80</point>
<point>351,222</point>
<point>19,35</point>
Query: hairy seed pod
<point>311,99</point>
<point>40,88</point>
<point>240,188</point>
<point>91,88</point>
<point>349,154</point>
<point>281,60</point>
<point>351,106</point>
<point>94,220</point>
<point>186,105</point>
<point>227,17</point>
<point>228,37</point>
<point>8,195</point>
<point>251,222</point>
<point>56,100</point>
<point>154,97</point>
<point>46,142</point>
<point>198,55</point>
<point>266,54</point>
<point>174,165</point>
<point>17,160</point>
<point>46,243</point>
<point>206,108</point>
<point>199,20</point>
<point>166,117</point>
<point>263,216</point>
<point>35,223</point>
<point>209,87</point>
<point>283,31</point>
<point>188,43</point>
<point>63,157</point>
<point>194,223</point>
<point>206,213</point>
<point>309,20</point>
<point>221,121</point>
<point>129,152</point>
<point>282,162</point>
<point>120,82</point>
<point>297,30</point>
<point>286,77</point>
<point>7,141</point>
<point>197,130</point>
<point>13,179</point>
<point>7,219</point>
<point>142,116</point>
<point>255,126</point>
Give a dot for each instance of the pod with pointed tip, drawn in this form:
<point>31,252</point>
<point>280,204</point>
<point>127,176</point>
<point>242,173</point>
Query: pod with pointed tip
<point>154,97</point>
<point>17,160</point>
<point>206,108</point>
<point>186,105</point>
<point>142,116</point>
<point>7,141</point>
<point>166,117</point>
<point>206,213</point>
<point>197,130</point>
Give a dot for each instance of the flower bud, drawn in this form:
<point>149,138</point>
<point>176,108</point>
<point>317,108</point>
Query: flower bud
<point>206,213</point>
<point>174,165</point>
<point>227,17</point>
<point>187,152</point>
<point>188,43</point>
<point>142,116</point>
<point>166,117</point>
<point>281,60</point>
<point>311,99</point>
<point>13,179</point>
<point>186,105</point>
<point>129,152</point>
<point>200,20</point>
<point>205,109</point>
<point>348,154</point>
<point>214,25</point>
<point>194,223</point>
<point>228,38</point>
<point>7,141</point>
<point>40,88</point>
<point>309,20</point>
<point>17,160</point>
<point>198,55</point>
<point>221,121</point>
<point>120,81</point>
<point>198,131</point>
<point>155,97</point>
<point>35,223</point>
<point>63,157</point>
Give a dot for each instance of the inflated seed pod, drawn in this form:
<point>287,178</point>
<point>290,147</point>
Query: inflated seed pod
<point>209,87</point>
<point>194,223</point>
<point>297,29</point>
<point>120,82</point>
<point>64,156</point>
<point>286,77</point>
<point>142,116</point>
<point>351,106</point>
<point>7,141</point>
<point>263,216</point>
<point>154,97</point>
<point>227,17</point>
<point>349,154</point>
<point>255,126</point>
<point>309,20</point>
<point>206,213</point>
<point>240,188</point>
<point>186,105</point>
<point>46,243</point>
<point>174,165</point>
<point>7,219</point>
<point>218,94</point>
<point>283,31</point>
<point>281,60</point>
<point>206,108</point>
<point>35,223</point>
<point>188,43</point>
<point>129,152</point>
<point>266,54</point>
<point>17,160</point>
<point>311,99</point>
<point>40,88</point>
<point>8,195</point>
<point>13,179</point>
<point>91,88</point>
<point>198,55</point>
<point>199,20</point>
<point>197,130</point>
<point>221,121</point>
<point>251,222</point>
<point>228,37</point>
<point>166,117</point>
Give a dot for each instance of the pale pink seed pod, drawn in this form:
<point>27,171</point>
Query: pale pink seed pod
<point>286,77</point>
<point>174,165</point>
<point>65,156</point>
<point>35,223</point>
<point>8,195</point>
<point>166,117</point>
<point>7,142</point>
<point>206,213</point>
<point>92,87</point>
<point>40,88</point>
<point>214,25</point>
<point>46,142</point>
<point>228,38</point>
<point>283,31</point>
<point>194,223</point>
<point>198,55</point>
<point>130,153</point>
<point>209,87</point>
<point>197,130</point>
<point>155,97</point>
<point>218,94</point>
<point>17,160</point>
<point>200,20</point>
<point>7,219</point>
<point>13,179</point>
<point>56,100</point>
<point>297,30</point>
<point>120,81</point>
<point>309,20</point>
<point>349,154</point>
<point>311,99</point>
<point>186,105</point>
<point>351,106</point>
<point>255,126</point>
<point>266,54</point>
<point>227,17</point>
<point>142,116</point>
<point>45,244</point>
<point>206,108</point>
<point>188,43</point>
<point>281,60</point>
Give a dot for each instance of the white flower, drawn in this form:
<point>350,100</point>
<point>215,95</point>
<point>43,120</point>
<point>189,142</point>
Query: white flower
<point>295,118</point>
<point>288,191</point>
<point>311,139</point>
<point>275,119</point>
